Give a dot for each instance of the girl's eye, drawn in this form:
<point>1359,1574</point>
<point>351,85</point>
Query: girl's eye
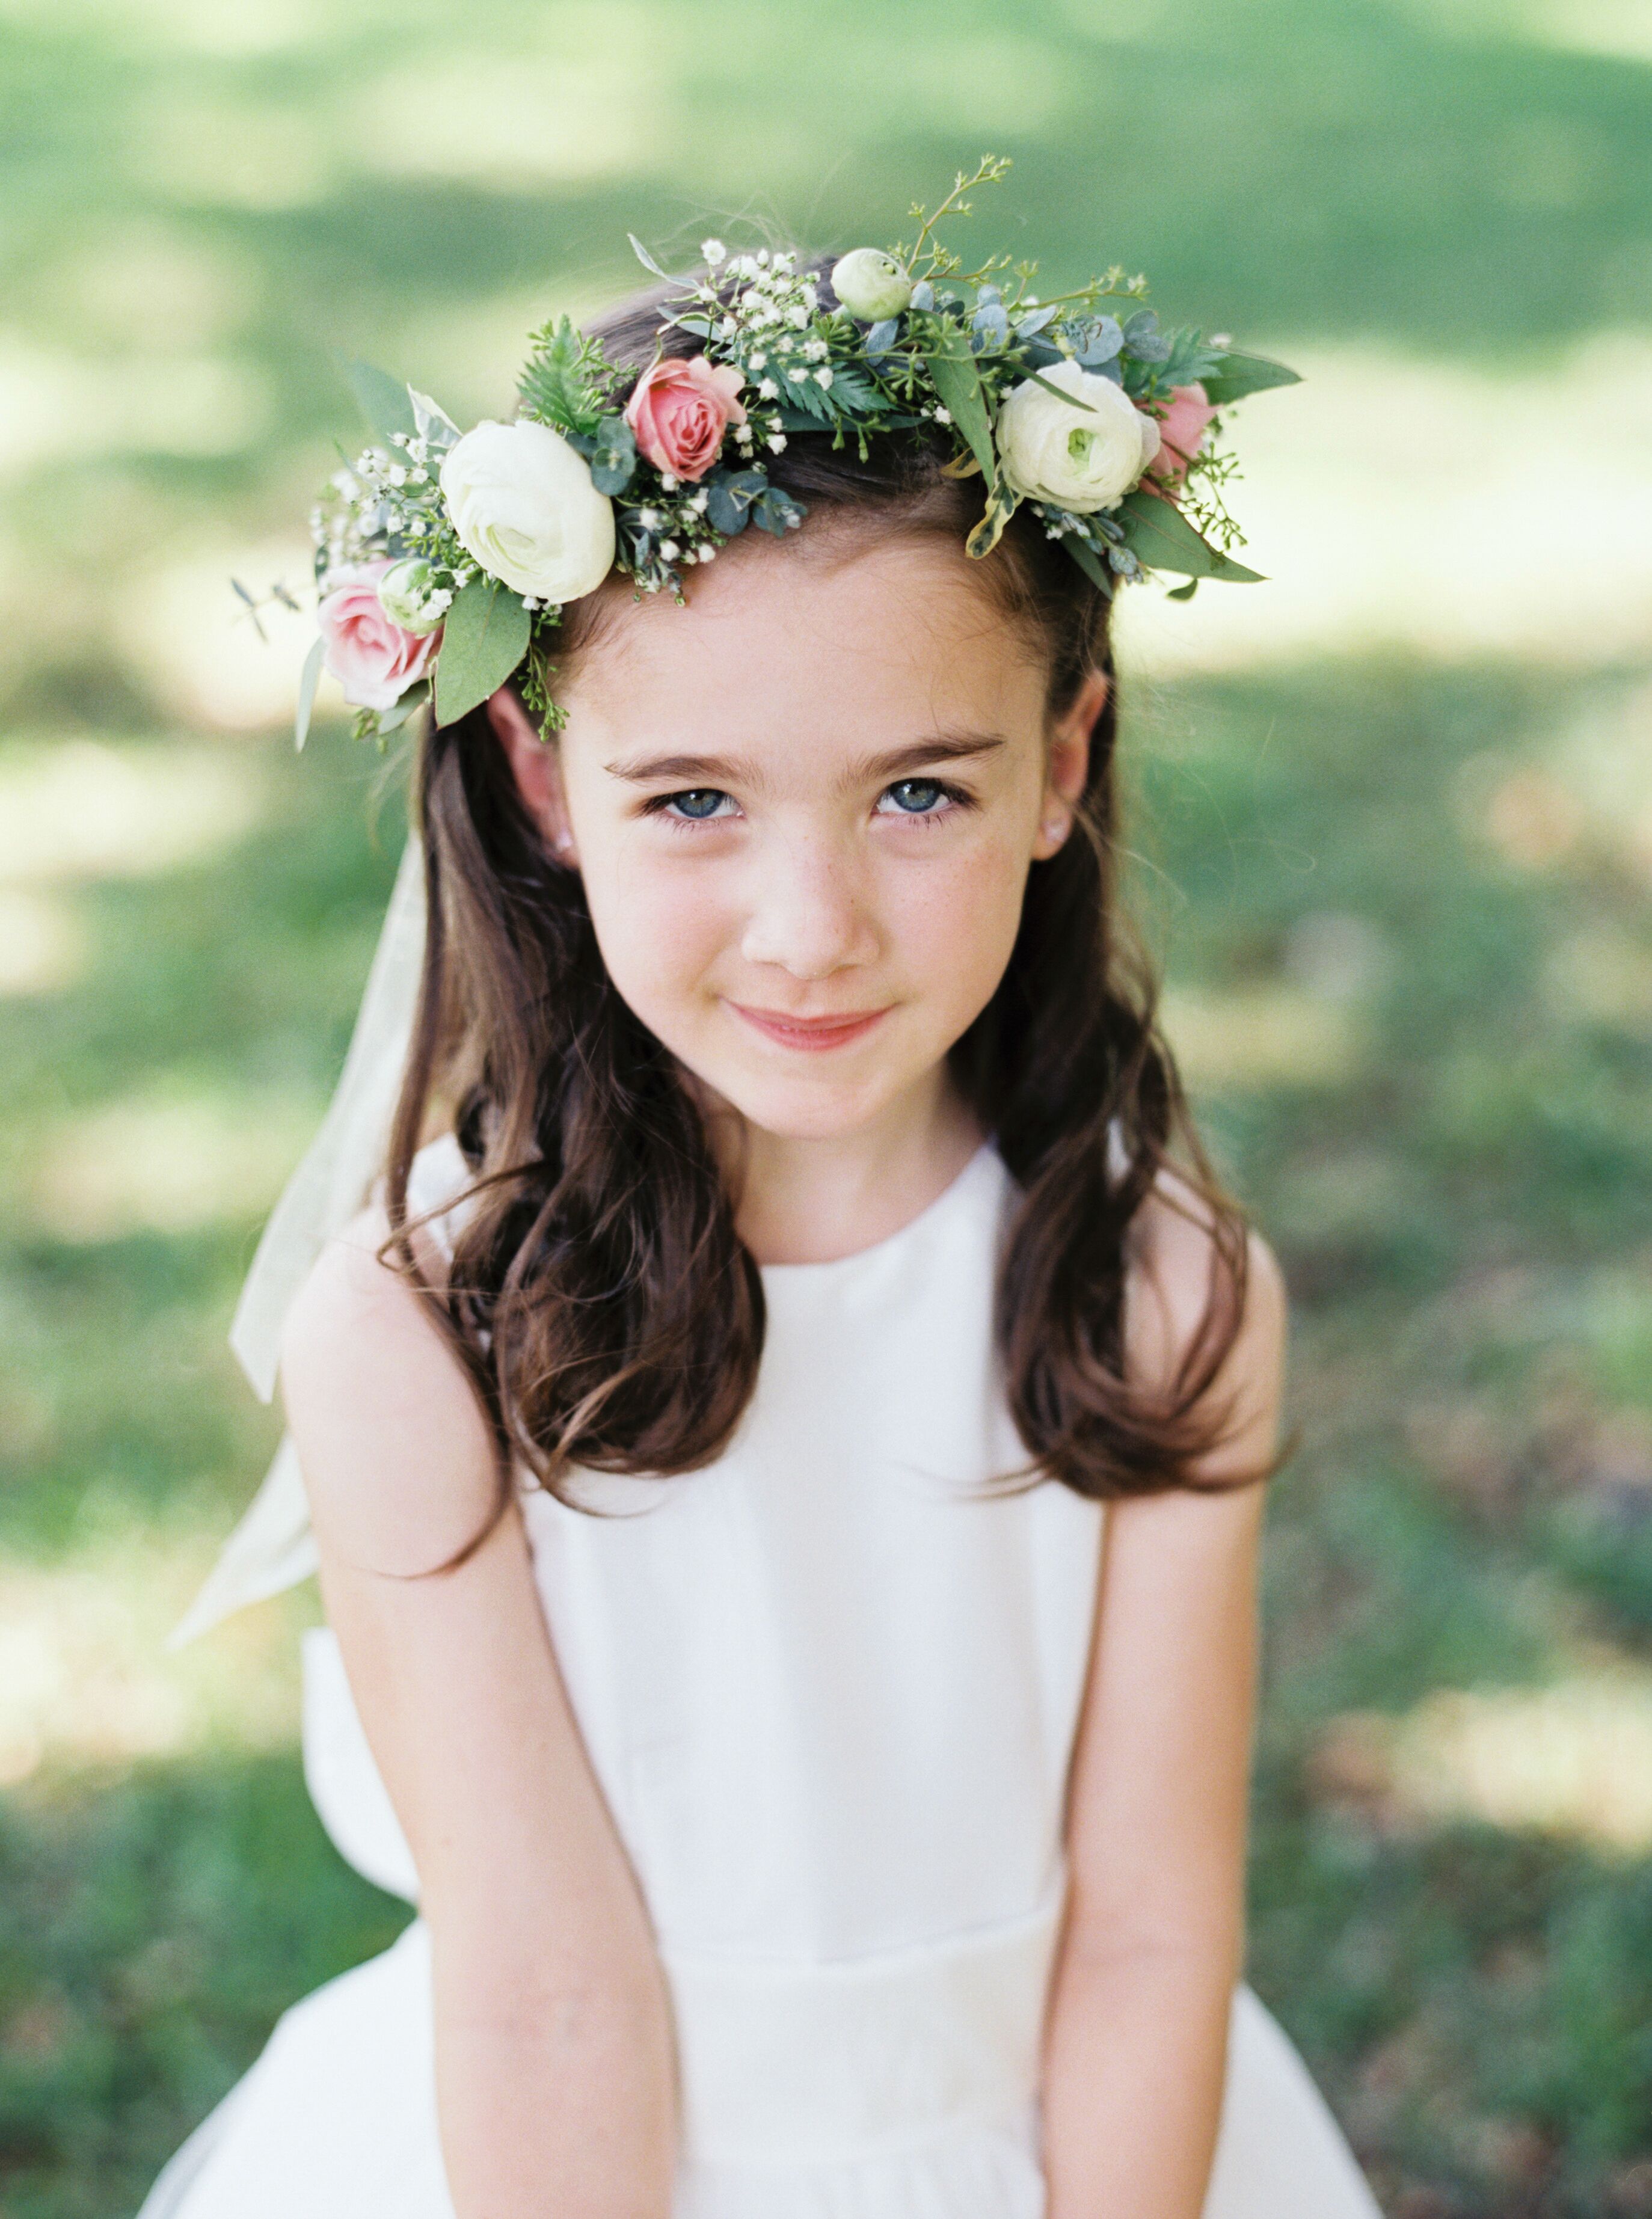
<point>915,796</point>
<point>697,804</point>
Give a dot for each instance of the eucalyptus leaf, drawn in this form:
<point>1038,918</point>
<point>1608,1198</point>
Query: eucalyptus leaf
<point>309,679</point>
<point>882,337</point>
<point>1088,561</point>
<point>958,382</point>
<point>1096,339</point>
<point>1161,538</point>
<point>484,638</point>
<point>1026,326</point>
<point>613,455</point>
<point>775,511</point>
<point>728,497</point>
<point>923,295</point>
<point>383,399</point>
<point>1183,592</point>
<point>1239,373</point>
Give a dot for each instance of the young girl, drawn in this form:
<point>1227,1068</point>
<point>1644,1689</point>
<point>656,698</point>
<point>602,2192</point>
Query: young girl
<point>786,1453</point>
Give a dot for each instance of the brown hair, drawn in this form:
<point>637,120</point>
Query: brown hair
<point>599,1295</point>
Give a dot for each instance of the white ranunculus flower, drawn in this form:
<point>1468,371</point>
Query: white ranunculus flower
<point>1082,457</point>
<point>523,504</point>
<point>870,284</point>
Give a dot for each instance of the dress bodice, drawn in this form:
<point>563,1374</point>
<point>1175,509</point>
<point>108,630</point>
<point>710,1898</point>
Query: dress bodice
<point>829,1683</point>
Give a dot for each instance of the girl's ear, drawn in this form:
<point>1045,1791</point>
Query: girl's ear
<point>537,770</point>
<point>1068,765</point>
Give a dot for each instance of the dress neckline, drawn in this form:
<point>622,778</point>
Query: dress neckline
<point>803,1274</point>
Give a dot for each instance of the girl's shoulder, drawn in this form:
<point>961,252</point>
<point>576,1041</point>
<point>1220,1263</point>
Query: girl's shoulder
<point>395,1451</point>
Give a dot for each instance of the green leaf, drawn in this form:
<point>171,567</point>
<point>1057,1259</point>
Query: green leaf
<point>1159,536</point>
<point>484,638</point>
<point>1000,506</point>
<point>1088,562</point>
<point>393,718</point>
<point>1240,374</point>
<point>309,681</point>
<point>958,382</point>
<point>384,401</point>
<point>1183,592</point>
<point>647,260</point>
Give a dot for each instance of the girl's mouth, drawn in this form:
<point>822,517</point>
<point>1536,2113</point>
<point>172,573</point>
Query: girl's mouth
<point>812,1034</point>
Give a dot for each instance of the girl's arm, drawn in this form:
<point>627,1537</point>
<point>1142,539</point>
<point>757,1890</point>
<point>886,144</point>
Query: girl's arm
<point>1154,1940</point>
<point>553,2053</point>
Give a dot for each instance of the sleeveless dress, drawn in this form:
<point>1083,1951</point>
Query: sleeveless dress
<point>830,1686</point>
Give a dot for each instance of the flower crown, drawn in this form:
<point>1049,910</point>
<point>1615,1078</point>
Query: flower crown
<point>444,558</point>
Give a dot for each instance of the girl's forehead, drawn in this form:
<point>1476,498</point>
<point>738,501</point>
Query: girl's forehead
<point>887,641</point>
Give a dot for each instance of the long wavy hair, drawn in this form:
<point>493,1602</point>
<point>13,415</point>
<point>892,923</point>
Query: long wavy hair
<point>599,1295</point>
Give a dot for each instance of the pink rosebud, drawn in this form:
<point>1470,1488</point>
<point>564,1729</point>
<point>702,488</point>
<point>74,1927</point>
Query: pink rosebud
<point>374,660</point>
<point>680,410</point>
<point>1182,428</point>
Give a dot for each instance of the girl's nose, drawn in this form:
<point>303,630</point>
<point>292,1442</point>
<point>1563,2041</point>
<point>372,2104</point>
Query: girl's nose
<point>808,917</point>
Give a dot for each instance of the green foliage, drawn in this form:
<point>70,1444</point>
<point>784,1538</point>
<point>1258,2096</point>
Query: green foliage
<point>484,638</point>
<point>385,401</point>
<point>565,381</point>
<point>1158,535</point>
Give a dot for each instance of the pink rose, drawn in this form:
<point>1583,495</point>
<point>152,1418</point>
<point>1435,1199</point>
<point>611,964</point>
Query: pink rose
<point>681,409</point>
<point>374,660</point>
<point>1182,428</point>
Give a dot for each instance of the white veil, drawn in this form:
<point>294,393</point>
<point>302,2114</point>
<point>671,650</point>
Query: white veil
<point>272,1548</point>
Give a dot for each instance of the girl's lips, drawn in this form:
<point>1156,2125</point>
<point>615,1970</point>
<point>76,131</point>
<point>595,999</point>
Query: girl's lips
<point>813,1034</point>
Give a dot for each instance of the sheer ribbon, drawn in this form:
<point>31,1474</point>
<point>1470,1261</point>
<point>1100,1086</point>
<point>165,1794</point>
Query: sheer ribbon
<point>272,1548</point>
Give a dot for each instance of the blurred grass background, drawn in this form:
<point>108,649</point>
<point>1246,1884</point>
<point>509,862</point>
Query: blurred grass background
<point>1394,838</point>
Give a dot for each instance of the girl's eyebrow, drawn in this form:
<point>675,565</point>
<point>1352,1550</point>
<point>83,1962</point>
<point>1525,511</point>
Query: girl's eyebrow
<point>737,770</point>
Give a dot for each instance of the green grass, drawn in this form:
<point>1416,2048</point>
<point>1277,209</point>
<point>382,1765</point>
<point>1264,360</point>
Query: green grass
<point>1410,941</point>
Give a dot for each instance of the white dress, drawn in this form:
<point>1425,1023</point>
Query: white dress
<point>830,1686</point>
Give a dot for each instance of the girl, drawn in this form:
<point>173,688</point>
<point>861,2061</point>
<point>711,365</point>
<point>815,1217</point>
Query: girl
<point>786,1452</point>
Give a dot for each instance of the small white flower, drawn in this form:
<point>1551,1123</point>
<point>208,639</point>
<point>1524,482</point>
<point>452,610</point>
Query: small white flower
<point>759,360</point>
<point>768,390</point>
<point>798,377</point>
<point>776,441</point>
<point>529,602</point>
<point>669,550</point>
<point>398,475</point>
<point>668,482</point>
<point>1223,339</point>
<point>798,315</point>
<point>419,477</point>
<point>706,553</point>
<point>817,350</point>
<point>762,258</point>
<point>943,415</point>
<point>649,519</point>
<point>785,262</point>
<point>712,251</point>
<point>727,328</point>
<point>698,503</point>
<point>822,377</point>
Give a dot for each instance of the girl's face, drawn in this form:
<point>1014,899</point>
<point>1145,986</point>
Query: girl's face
<point>804,808</point>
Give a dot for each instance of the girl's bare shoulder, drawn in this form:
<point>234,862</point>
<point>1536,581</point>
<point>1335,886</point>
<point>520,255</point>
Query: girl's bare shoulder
<point>397,1455</point>
<point>1173,1260</point>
